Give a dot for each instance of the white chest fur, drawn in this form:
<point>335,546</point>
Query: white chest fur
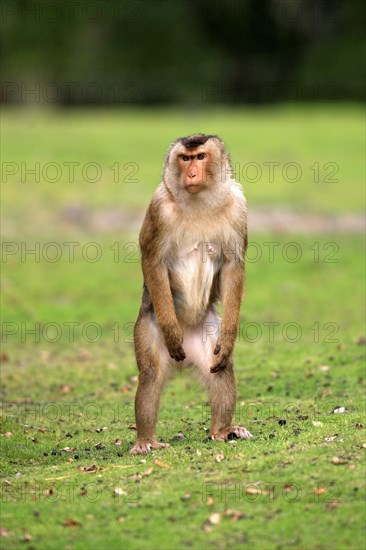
<point>192,273</point>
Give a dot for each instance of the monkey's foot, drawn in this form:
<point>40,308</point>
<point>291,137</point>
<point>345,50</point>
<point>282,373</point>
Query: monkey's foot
<point>143,447</point>
<point>231,432</point>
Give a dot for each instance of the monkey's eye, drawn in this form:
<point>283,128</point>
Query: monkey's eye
<point>185,158</point>
<point>201,156</point>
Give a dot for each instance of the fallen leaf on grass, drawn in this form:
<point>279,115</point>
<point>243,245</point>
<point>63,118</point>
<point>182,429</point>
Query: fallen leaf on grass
<point>27,537</point>
<point>161,464</point>
<point>5,533</point>
<point>210,501</point>
<point>319,491</point>
<point>7,434</point>
<point>317,423</point>
<point>340,410</point>
<point>148,472</point>
<point>118,442</point>
<point>135,477</point>
<point>71,523</point>
<point>4,357</point>
<point>359,426</point>
<point>339,460</point>
<point>132,427</point>
<point>213,519</point>
<point>332,505</point>
<point>125,389</point>
<point>219,458</point>
<point>89,469</point>
<point>119,491</point>
<point>330,438</point>
<point>234,515</point>
<point>324,368</point>
<point>255,491</point>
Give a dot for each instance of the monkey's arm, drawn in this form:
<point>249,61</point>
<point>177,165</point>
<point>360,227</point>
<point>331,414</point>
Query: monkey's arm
<point>231,284</point>
<point>156,279</point>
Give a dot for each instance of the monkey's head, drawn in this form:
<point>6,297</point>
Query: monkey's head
<point>195,164</point>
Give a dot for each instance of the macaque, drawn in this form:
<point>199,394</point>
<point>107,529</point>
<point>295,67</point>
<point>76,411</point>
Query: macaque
<point>193,240</point>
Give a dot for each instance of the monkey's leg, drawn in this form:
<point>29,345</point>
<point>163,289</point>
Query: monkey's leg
<point>152,360</point>
<point>222,396</point>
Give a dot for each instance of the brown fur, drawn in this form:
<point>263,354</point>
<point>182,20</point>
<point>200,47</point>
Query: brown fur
<point>192,248</point>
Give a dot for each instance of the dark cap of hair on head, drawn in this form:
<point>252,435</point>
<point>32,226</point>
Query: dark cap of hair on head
<point>194,141</point>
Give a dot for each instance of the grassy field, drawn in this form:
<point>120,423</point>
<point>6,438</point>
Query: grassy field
<point>68,369</point>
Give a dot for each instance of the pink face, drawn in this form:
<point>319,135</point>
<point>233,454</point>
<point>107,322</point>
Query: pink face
<point>193,165</point>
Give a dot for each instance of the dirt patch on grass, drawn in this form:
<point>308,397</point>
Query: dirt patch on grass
<point>279,220</point>
<point>276,220</point>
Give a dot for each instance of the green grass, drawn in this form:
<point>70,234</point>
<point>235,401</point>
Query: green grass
<point>66,402</point>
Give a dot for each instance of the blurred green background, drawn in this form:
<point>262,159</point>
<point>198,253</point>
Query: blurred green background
<point>186,51</point>
<point>93,93</point>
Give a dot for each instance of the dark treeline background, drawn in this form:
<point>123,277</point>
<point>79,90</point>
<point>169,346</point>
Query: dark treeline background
<point>182,51</point>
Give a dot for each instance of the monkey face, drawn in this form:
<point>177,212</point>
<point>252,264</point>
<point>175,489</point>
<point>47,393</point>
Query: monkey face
<point>193,167</point>
<point>195,164</point>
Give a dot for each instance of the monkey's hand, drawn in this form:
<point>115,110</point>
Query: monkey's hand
<point>223,350</point>
<point>173,337</point>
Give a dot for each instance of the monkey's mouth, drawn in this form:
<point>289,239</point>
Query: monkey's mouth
<point>194,188</point>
